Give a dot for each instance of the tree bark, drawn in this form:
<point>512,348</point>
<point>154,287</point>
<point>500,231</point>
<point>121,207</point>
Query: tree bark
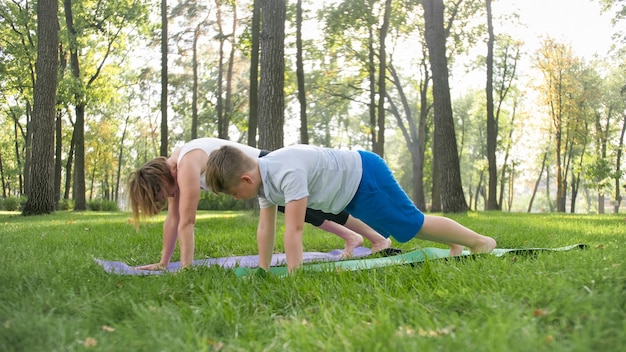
<point>253,118</point>
<point>41,195</point>
<point>453,198</point>
<point>492,128</point>
<point>164,80</point>
<point>271,87</point>
<point>304,130</point>
<point>382,78</point>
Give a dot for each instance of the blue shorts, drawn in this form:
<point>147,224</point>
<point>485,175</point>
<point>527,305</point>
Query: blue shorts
<point>381,203</point>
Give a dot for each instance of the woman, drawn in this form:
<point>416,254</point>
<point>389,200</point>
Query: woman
<point>180,179</point>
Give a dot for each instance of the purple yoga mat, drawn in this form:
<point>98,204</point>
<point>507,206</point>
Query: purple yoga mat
<point>246,261</point>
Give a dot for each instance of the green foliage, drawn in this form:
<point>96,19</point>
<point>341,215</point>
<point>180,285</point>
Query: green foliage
<point>102,205</point>
<point>12,203</point>
<point>66,204</point>
<point>58,299</point>
<point>212,201</point>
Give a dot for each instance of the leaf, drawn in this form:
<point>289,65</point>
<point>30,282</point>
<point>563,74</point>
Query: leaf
<point>90,342</point>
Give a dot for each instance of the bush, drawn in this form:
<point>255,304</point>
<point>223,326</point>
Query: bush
<point>66,204</point>
<point>212,201</point>
<point>11,203</point>
<point>102,205</point>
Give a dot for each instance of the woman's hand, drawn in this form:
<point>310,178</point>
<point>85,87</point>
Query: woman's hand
<point>155,266</point>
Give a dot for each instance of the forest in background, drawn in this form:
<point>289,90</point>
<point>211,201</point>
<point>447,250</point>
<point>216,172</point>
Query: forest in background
<point>271,73</point>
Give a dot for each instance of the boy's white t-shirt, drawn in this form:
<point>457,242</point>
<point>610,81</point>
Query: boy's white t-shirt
<point>208,145</point>
<point>328,177</point>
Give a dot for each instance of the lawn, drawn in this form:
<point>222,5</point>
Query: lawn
<point>53,297</point>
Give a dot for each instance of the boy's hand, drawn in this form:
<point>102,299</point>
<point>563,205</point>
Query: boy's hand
<point>262,273</point>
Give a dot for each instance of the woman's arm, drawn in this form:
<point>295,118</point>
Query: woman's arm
<point>188,179</point>
<point>170,234</point>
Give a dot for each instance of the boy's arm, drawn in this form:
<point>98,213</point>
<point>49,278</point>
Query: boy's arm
<point>265,234</point>
<point>294,224</point>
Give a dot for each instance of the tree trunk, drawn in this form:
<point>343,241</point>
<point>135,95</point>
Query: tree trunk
<point>78,135</point>
<point>492,128</point>
<point>4,184</point>
<point>382,78</point>
<point>68,169</point>
<point>28,149</point>
<point>41,195</point>
<point>271,87</point>
<point>618,163</point>
<point>304,130</point>
<point>194,92</point>
<point>228,105</point>
<point>222,131</point>
<point>435,201</point>
<point>78,189</point>
<point>253,113</point>
<point>453,198</point>
<point>164,80</point>
<point>532,197</point>
<point>414,135</point>
<point>120,158</point>
<point>371,70</point>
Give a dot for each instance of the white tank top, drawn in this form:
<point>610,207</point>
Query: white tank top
<point>208,145</point>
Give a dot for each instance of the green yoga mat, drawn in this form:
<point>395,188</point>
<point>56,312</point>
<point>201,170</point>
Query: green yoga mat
<point>416,256</point>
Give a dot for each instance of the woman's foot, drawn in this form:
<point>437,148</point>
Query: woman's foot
<point>352,242</point>
<point>381,244</point>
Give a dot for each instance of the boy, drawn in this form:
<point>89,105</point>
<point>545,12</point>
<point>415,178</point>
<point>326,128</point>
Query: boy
<point>330,180</point>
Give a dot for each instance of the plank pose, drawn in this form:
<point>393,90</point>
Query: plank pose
<point>180,178</point>
<point>330,180</point>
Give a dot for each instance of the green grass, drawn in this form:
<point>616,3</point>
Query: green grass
<point>53,297</point>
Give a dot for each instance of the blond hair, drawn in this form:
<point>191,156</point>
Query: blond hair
<point>146,185</point>
<point>225,167</point>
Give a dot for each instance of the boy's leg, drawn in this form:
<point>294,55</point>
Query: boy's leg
<point>447,231</point>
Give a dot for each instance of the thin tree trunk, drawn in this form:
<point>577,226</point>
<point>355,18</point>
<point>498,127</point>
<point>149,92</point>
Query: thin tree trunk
<point>120,158</point>
<point>4,184</point>
<point>532,197</point>
<point>194,92</point>
<point>253,113</point>
<point>492,128</point>
<point>228,105</point>
<point>164,150</point>
<point>304,130</point>
<point>618,163</point>
<point>382,78</point>
<point>222,131</point>
<point>372,93</point>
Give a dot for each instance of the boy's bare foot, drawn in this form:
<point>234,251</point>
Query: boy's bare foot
<point>378,246</point>
<point>351,244</point>
<point>486,245</point>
